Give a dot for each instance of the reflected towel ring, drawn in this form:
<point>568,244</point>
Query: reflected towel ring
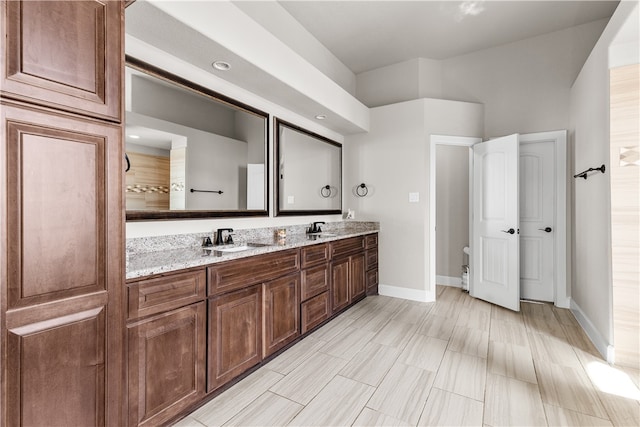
<point>362,190</point>
<point>128,162</point>
<point>325,191</point>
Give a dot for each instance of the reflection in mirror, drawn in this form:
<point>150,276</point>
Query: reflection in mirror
<point>309,172</point>
<point>193,153</point>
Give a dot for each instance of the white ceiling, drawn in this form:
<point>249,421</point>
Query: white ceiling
<point>324,35</point>
<point>366,35</point>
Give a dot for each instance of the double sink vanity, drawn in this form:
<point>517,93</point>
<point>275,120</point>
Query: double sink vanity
<point>199,318</point>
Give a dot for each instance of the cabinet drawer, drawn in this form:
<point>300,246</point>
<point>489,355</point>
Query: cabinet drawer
<point>314,311</point>
<point>371,240</point>
<point>153,296</point>
<point>236,274</point>
<point>372,258</point>
<point>372,282</point>
<point>347,246</point>
<point>315,254</point>
<point>315,280</point>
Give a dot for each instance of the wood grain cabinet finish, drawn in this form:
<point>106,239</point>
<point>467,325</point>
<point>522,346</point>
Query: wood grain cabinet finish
<point>348,281</point>
<point>63,54</point>
<point>166,367</point>
<point>237,274</point>
<point>314,311</point>
<point>314,255</point>
<point>160,294</point>
<point>371,245</point>
<point>314,281</point>
<point>339,284</point>
<point>235,335</point>
<point>340,248</point>
<point>281,313</point>
<point>62,290</point>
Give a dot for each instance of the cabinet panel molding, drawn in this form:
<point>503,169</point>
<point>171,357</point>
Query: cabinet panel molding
<point>166,369</point>
<point>281,308</point>
<point>64,54</point>
<point>315,280</point>
<point>58,252</point>
<point>235,335</point>
<point>56,371</point>
<point>160,294</point>
<point>314,311</point>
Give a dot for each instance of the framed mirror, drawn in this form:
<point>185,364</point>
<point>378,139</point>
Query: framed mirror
<point>308,172</point>
<point>192,153</point>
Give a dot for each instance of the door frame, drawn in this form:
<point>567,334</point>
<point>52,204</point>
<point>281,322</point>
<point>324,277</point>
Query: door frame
<point>462,141</point>
<point>560,236</point>
<point>559,138</point>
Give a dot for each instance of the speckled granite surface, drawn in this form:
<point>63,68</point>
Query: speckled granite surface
<point>147,256</point>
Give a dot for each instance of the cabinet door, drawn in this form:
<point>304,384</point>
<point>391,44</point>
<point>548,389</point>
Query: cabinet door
<point>339,284</point>
<point>166,370</point>
<point>63,54</point>
<point>357,282</point>
<point>315,280</point>
<point>62,291</point>
<point>281,310</point>
<point>235,335</point>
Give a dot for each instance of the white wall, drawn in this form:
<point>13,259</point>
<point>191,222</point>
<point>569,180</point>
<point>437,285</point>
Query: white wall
<point>589,139</point>
<point>452,208</point>
<point>524,85</point>
<point>393,161</point>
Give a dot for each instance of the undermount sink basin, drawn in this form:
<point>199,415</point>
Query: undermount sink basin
<point>238,248</point>
<point>321,234</point>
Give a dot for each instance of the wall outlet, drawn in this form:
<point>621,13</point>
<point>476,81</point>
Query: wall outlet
<point>414,197</point>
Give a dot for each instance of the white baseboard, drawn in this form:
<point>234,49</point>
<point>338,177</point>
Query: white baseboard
<point>456,282</point>
<point>603,347</point>
<point>405,293</point>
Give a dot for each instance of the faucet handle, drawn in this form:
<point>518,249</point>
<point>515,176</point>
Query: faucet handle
<point>229,240</point>
<point>206,242</point>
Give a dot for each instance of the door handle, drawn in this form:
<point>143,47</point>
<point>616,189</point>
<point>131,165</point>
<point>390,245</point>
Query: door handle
<point>546,229</point>
<point>510,231</point>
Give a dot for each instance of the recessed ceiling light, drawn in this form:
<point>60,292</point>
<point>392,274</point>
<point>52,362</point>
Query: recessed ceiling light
<point>134,137</point>
<point>221,65</point>
<point>321,117</point>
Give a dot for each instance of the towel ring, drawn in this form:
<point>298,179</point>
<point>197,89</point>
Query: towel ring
<point>325,191</point>
<point>362,190</point>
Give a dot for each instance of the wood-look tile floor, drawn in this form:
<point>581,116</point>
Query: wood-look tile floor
<point>458,361</point>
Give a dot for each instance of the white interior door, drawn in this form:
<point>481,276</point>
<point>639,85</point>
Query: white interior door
<point>537,213</point>
<point>495,244</point>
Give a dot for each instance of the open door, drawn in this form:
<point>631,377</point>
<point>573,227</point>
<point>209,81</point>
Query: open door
<point>495,245</point>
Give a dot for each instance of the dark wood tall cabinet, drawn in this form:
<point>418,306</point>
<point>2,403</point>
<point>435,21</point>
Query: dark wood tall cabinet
<point>62,217</point>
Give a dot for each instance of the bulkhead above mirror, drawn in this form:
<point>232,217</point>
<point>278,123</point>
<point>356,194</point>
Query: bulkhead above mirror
<point>192,153</point>
<point>308,172</point>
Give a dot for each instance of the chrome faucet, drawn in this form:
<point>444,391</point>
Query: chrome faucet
<point>219,239</point>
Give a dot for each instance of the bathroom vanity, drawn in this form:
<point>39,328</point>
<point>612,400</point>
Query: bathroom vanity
<point>198,319</point>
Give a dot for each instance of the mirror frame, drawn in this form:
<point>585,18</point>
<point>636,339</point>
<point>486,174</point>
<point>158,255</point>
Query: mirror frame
<point>276,155</point>
<point>139,215</point>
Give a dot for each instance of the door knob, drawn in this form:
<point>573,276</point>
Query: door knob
<point>546,229</point>
<point>510,231</point>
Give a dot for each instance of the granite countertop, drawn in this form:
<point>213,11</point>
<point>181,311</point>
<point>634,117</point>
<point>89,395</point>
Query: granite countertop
<point>149,263</point>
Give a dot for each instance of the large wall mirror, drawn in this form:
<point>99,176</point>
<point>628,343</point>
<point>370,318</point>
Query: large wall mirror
<point>192,153</point>
<point>308,172</point>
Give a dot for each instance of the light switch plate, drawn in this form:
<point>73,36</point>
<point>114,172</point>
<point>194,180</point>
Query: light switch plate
<point>291,200</point>
<point>414,197</point>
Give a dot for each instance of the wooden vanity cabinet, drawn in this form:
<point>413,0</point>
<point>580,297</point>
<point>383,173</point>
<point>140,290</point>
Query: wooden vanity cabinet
<point>64,54</point>
<point>347,272</point>
<point>235,335</point>
<point>62,334</point>
<point>371,246</point>
<point>166,367</point>
<point>281,312</point>
<point>315,279</point>
<point>167,341</point>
